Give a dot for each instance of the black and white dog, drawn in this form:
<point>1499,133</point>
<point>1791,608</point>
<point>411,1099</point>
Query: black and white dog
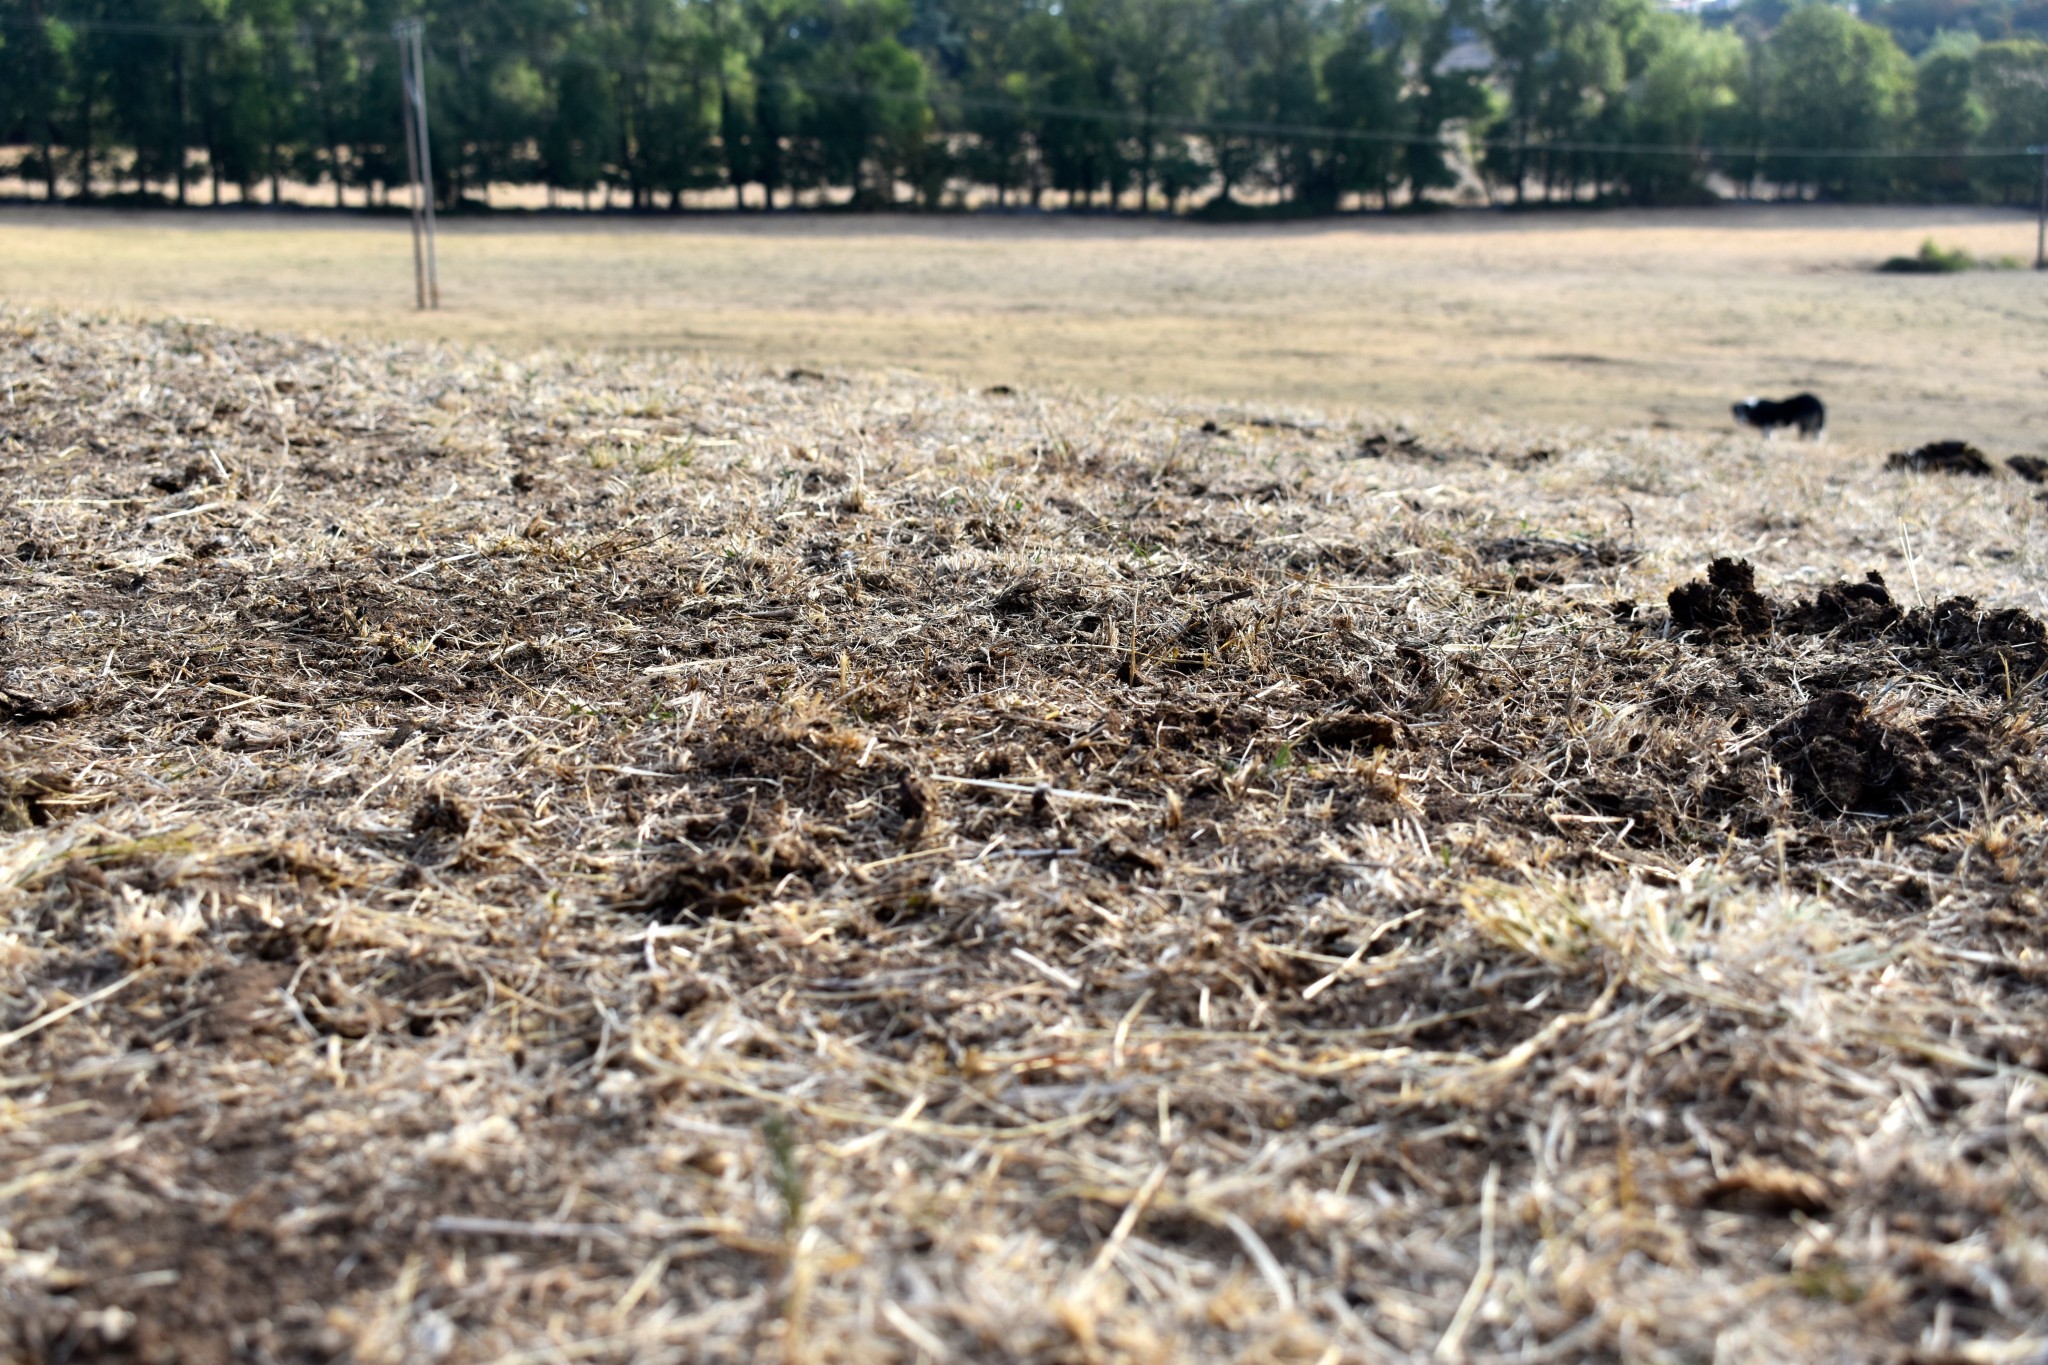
<point>1767,415</point>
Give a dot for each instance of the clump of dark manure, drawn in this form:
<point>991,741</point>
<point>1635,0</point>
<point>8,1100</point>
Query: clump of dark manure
<point>1725,601</point>
<point>1941,457</point>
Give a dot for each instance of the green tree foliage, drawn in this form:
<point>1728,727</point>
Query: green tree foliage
<point>1160,55</point>
<point>1685,92</point>
<point>1364,83</point>
<point>1834,84</point>
<point>1256,106</point>
<point>2011,78</point>
<point>1948,116</point>
<point>1442,96</point>
<point>1524,35</point>
<point>1921,24</point>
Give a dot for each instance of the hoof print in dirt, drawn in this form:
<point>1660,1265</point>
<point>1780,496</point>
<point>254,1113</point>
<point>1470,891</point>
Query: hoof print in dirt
<point>1998,651</point>
<point>1724,602</point>
<point>1591,554</point>
<point>1957,626</point>
<point>1018,599</point>
<point>168,482</point>
<point>2032,468</point>
<point>1859,609</point>
<point>1941,457</point>
<point>25,707</point>
<point>1768,1190</point>
<point>28,799</point>
<point>1357,731</point>
<point>714,889</point>
<point>1379,445</point>
<point>440,817</point>
<point>914,804</point>
<point>1842,760</point>
<point>723,885</point>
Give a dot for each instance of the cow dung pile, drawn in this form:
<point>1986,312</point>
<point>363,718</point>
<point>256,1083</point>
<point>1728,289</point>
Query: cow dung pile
<point>607,858</point>
<point>1941,457</point>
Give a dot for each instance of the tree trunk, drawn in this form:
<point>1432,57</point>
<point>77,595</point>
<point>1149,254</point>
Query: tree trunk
<point>209,126</point>
<point>85,145</point>
<point>629,148</point>
<point>1145,160</point>
<point>1521,162</point>
<point>270,148</point>
<point>48,142</point>
<point>327,133</point>
<point>178,81</point>
<point>727,142</point>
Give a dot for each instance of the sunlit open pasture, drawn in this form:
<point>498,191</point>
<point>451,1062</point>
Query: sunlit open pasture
<point>1606,320</point>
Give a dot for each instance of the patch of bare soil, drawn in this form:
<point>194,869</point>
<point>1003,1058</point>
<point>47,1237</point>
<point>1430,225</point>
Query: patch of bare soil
<point>623,861</point>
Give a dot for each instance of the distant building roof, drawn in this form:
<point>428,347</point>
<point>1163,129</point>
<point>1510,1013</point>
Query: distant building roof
<point>1469,53</point>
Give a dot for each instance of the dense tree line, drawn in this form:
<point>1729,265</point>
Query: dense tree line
<point>1293,105</point>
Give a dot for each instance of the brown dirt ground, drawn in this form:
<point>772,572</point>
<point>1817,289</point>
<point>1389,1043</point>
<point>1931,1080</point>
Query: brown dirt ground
<point>597,859</point>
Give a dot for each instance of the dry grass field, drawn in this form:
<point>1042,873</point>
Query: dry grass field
<point>593,857</point>
<point>1604,320</point>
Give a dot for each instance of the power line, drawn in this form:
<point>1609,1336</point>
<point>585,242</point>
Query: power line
<point>1079,113</point>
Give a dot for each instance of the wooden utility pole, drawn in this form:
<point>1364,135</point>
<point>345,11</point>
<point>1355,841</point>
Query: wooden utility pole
<point>2041,222</point>
<point>412,170</point>
<point>419,160</point>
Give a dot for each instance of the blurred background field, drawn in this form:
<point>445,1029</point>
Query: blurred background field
<point>1607,320</point>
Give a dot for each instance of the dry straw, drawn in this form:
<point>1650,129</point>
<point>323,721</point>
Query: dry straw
<point>586,858</point>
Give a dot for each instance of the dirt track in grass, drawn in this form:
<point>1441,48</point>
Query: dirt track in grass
<point>561,857</point>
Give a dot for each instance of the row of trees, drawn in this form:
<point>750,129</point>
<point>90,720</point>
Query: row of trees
<point>1304,104</point>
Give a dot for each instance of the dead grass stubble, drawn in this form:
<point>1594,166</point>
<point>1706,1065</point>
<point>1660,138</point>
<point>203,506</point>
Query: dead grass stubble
<point>608,860</point>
